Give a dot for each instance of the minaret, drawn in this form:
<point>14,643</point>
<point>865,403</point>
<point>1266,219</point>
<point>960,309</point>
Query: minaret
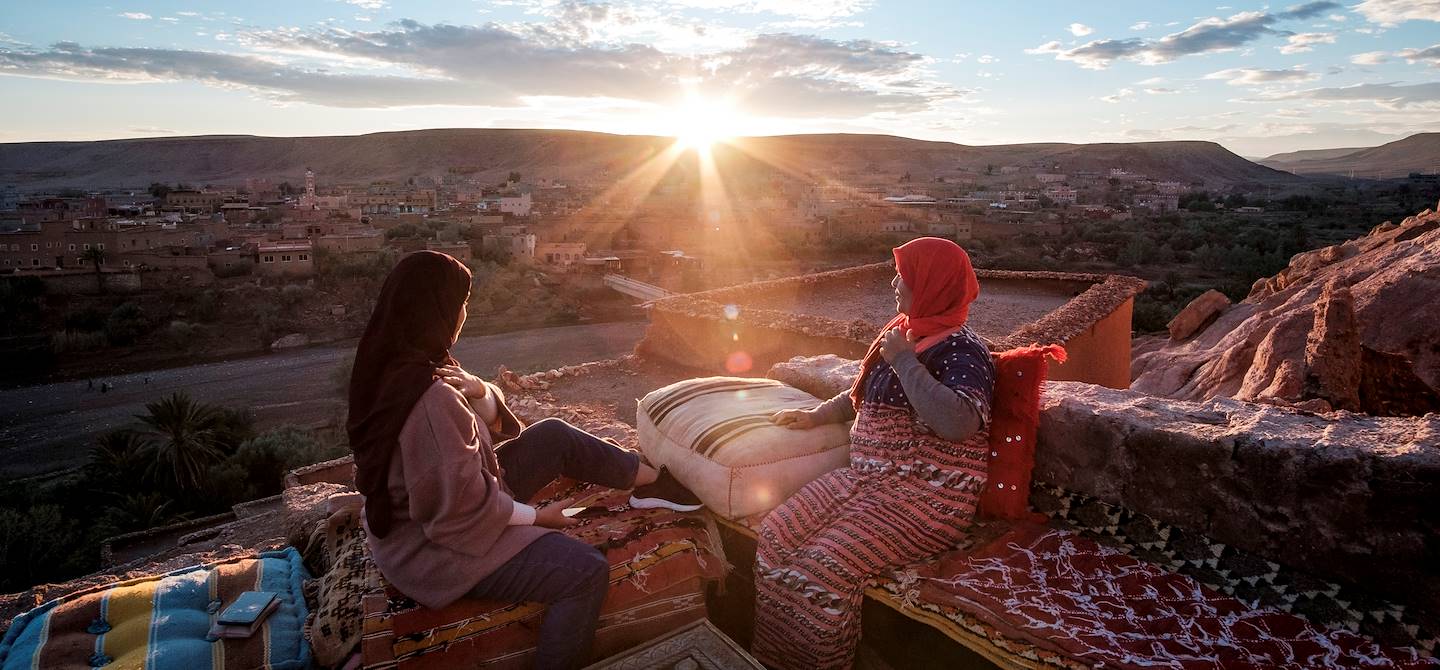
<point>309,200</point>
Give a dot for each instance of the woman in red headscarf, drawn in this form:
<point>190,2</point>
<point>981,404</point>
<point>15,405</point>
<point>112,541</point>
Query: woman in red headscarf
<point>917,463</point>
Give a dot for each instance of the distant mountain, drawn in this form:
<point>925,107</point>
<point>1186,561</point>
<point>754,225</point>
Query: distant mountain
<point>1416,153</point>
<point>492,153</point>
<point>1306,155</point>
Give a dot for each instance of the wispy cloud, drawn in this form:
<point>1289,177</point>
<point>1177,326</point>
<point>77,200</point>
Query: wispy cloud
<point>1118,95</point>
<point>1206,36</point>
<point>1389,96</point>
<point>1369,58</point>
<point>1395,12</point>
<point>1140,25</point>
<point>1244,76</point>
<point>1303,42</point>
<point>1429,55</point>
<point>410,63</point>
<point>135,16</point>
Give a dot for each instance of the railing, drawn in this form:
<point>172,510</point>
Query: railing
<point>635,289</point>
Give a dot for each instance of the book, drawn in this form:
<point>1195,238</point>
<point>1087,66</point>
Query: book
<point>244,616</point>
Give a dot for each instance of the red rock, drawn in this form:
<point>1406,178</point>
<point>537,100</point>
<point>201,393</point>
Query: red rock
<point>1262,347</point>
<point>1198,314</point>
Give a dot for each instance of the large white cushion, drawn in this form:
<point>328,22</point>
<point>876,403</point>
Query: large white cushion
<point>716,437</point>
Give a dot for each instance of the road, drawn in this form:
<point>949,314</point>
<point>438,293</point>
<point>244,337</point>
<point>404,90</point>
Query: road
<point>50,427</point>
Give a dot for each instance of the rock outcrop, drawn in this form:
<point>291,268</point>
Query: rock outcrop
<point>1198,314</point>
<point>1350,326</point>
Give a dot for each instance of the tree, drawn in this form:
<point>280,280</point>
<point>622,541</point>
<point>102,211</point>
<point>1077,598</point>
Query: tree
<point>96,257</point>
<point>126,324</point>
<point>512,177</point>
<point>159,190</point>
<point>180,435</point>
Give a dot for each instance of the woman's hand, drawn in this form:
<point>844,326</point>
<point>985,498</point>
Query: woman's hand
<point>896,342</point>
<point>553,516</point>
<point>794,419</point>
<point>466,383</point>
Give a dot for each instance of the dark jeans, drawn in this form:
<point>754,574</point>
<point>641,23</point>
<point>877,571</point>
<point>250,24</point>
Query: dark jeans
<point>569,576</point>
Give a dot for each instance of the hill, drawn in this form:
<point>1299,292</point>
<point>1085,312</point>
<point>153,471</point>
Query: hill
<point>492,153</point>
<point>1416,153</point>
<point>1279,161</point>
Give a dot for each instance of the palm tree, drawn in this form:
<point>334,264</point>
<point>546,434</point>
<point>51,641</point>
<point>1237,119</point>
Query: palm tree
<point>118,456</point>
<point>181,435</point>
<point>95,256</point>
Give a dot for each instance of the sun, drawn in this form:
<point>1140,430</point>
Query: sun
<point>698,124</point>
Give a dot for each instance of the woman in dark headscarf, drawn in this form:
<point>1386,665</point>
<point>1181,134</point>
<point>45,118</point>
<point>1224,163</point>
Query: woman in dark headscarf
<point>444,510</point>
<point>917,462</point>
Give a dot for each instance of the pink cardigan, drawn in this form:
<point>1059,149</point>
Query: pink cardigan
<point>451,512</point>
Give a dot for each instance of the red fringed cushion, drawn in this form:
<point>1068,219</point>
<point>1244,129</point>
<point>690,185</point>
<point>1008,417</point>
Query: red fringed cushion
<point>1014,418</point>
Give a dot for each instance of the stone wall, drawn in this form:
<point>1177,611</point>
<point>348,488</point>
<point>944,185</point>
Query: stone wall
<point>1343,496</point>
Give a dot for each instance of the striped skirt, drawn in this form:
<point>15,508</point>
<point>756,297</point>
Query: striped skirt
<point>907,495</point>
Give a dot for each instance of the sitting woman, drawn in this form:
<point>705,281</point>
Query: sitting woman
<point>443,511</point>
<point>917,464</point>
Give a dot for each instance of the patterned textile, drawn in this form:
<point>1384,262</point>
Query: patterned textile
<point>334,629</point>
<point>162,622</point>
<point>1252,579</point>
<point>660,562</point>
<point>1020,373</point>
<point>715,435</point>
<point>907,495</point>
<point>1070,595</point>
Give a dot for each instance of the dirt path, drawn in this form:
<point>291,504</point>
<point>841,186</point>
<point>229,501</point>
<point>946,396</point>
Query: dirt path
<point>51,426</point>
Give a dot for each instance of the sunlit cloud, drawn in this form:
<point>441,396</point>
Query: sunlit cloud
<point>1080,29</point>
<point>1244,76</point>
<point>1303,42</point>
<point>1395,12</point>
<point>1370,58</point>
<point>1206,36</point>
<point>1429,55</point>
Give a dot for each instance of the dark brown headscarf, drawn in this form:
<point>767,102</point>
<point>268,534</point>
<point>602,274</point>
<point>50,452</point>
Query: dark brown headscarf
<point>408,337</point>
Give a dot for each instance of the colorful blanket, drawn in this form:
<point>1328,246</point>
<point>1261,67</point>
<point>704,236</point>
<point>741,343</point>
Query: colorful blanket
<point>660,562</point>
<point>162,622</point>
<point>1070,596</point>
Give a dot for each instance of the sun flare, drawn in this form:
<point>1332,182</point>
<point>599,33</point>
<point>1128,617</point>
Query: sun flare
<point>699,124</point>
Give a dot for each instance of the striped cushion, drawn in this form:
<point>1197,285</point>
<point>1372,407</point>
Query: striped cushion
<point>715,435</point>
<point>161,622</point>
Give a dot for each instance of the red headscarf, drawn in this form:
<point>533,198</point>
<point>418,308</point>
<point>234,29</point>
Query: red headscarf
<point>409,335</point>
<point>942,285</point>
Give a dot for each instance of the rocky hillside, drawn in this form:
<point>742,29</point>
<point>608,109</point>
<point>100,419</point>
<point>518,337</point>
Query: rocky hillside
<point>492,153</point>
<point>1417,153</point>
<point>1350,326</point>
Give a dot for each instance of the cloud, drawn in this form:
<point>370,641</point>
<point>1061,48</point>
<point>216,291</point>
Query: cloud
<point>808,9</point>
<point>1080,29</point>
<point>987,59</point>
<point>409,63</point>
<point>1338,18</point>
<point>1118,96</point>
<point>1244,76</point>
<point>369,4</point>
<point>1302,42</point>
<point>1429,55</point>
<point>1205,36</point>
<point>1370,58</point>
<point>1395,12</point>
<point>1391,96</point>
<point>136,16</point>
<point>1160,90</point>
<point>1140,25</point>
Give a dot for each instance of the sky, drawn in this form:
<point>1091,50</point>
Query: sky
<point>1259,79</point>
